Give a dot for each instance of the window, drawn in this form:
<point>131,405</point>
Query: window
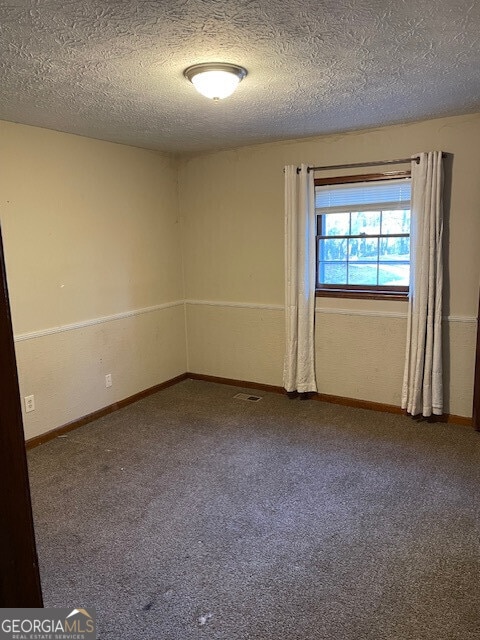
<point>363,235</point>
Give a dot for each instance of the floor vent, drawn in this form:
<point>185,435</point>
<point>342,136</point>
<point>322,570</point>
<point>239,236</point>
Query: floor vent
<point>247,397</point>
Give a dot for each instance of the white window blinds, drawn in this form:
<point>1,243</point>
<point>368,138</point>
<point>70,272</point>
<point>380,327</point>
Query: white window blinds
<point>363,196</point>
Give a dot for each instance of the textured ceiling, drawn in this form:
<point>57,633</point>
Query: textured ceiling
<point>113,70</point>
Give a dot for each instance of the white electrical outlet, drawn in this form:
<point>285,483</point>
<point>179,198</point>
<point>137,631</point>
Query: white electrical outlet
<point>29,403</point>
<point>108,380</point>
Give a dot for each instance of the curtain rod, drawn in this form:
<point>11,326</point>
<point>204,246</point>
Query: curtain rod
<point>378,163</point>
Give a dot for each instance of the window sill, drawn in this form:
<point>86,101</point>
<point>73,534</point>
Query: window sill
<point>362,294</point>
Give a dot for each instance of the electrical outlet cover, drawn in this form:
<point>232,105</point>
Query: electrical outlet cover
<point>29,403</point>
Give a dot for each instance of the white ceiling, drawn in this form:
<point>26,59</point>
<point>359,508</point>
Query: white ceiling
<point>113,69</point>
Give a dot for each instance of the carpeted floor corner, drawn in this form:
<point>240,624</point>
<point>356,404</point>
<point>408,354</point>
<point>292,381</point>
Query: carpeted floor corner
<point>193,515</point>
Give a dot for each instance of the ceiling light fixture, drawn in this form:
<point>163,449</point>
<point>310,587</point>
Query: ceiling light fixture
<point>215,80</point>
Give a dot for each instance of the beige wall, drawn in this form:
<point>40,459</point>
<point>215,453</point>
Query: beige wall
<point>94,234</point>
<point>231,204</point>
<point>94,267</point>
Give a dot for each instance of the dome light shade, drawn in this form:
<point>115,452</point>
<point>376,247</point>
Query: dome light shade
<point>215,80</point>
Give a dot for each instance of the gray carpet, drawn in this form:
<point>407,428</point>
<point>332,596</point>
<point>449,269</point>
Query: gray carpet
<point>193,515</point>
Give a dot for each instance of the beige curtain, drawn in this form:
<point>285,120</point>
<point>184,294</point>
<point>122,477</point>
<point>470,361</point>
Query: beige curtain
<point>299,364</point>
<point>422,383</point>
